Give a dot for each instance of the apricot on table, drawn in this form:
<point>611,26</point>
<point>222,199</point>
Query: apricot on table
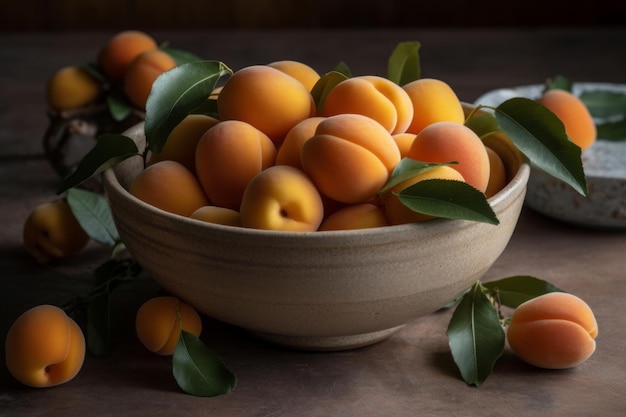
<point>350,157</point>
<point>72,87</point>
<point>51,231</point>
<point>372,96</point>
<point>141,74</point>
<point>355,216</point>
<point>449,141</point>
<point>554,331</point>
<point>574,114</point>
<point>433,101</point>
<point>159,321</point>
<point>266,98</point>
<point>121,50</point>
<point>44,347</point>
<point>298,70</point>
<point>282,198</point>
<point>169,186</point>
<point>228,156</point>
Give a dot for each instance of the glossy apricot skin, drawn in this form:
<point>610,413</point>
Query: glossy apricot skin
<point>350,157</point>
<point>433,101</point>
<point>228,156</point>
<point>182,141</point>
<point>169,186</point>
<point>218,215</point>
<point>141,74</point>
<point>266,98</point>
<point>290,150</point>
<point>450,141</point>
<point>44,347</point>
<point>158,323</point>
<point>554,331</point>
<point>282,198</point>
<point>51,231</point>
<point>355,216</point>
<point>72,87</point>
<point>372,96</point>
<point>497,173</point>
<point>578,122</point>
<point>397,213</point>
<point>121,50</point>
<point>298,70</point>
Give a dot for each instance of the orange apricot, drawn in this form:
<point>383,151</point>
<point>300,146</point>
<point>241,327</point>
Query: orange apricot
<point>218,215</point>
<point>555,331</point>
<point>578,122</point>
<point>450,141</point>
<point>159,320</point>
<point>298,70</point>
<point>433,101</point>
<point>397,213</point>
<point>169,186</point>
<point>121,50</point>
<point>72,87</point>
<point>404,141</point>
<point>182,141</point>
<point>355,216</point>
<point>141,74</point>
<point>44,347</point>
<point>228,156</point>
<point>266,98</point>
<point>350,157</point>
<point>372,96</point>
<point>497,173</point>
<point>290,150</point>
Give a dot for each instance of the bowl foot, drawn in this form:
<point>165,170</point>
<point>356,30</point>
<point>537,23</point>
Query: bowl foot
<point>327,343</point>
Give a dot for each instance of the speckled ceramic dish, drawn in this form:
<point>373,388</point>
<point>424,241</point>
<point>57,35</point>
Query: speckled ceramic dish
<point>605,168</point>
<point>318,290</point>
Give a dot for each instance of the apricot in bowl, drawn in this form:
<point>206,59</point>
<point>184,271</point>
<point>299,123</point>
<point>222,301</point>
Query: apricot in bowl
<point>320,290</point>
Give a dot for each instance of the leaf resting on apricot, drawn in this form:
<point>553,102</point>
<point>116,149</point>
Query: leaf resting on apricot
<point>513,291</point>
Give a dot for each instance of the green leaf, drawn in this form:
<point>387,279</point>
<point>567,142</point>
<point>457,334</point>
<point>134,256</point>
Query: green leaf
<point>475,336</point>
<point>604,103</point>
<point>404,63</point>
<point>208,108</point>
<point>180,57</point>
<point>198,370</point>
<point>108,151</point>
<point>615,131</point>
<point>483,125</point>
<point>559,83</point>
<point>93,70</point>
<point>539,134</point>
<point>408,168</point>
<point>448,199</point>
<point>343,68</point>
<point>323,87</point>
<point>94,215</point>
<point>513,291</point>
<point>175,94</point>
<point>118,105</point>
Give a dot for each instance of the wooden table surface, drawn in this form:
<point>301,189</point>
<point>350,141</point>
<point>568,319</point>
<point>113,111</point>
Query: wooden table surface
<point>409,374</point>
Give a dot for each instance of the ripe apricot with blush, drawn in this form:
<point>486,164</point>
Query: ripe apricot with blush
<point>298,70</point>
<point>72,87</point>
<point>121,50</point>
<point>355,216</point>
<point>433,101</point>
<point>218,215</point>
<point>290,151</point>
<point>497,173</point>
<point>141,74</point>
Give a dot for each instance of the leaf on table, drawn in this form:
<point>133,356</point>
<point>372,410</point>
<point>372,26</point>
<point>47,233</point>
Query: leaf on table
<point>404,63</point>
<point>513,291</point>
<point>94,215</point>
<point>475,336</point>
<point>198,370</point>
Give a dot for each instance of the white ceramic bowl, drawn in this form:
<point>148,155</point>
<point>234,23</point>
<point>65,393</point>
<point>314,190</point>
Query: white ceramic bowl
<point>318,290</point>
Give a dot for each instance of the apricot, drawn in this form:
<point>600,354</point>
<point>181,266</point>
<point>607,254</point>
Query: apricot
<point>404,141</point>
<point>72,87</point>
<point>397,213</point>
<point>298,70</point>
<point>554,331</point>
<point>350,157</point>
<point>228,156</point>
<point>182,141</point>
<point>433,101</point>
<point>169,186</point>
<point>141,74</point>
<point>51,231</point>
<point>282,198</point>
<point>159,321</point>
<point>290,150</point>
<point>44,347</point>
<point>355,216</point>
<point>218,215</point>
<point>497,173</point>
<point>578,122</point>
<point>267,98</point>
<point>450,141</point>
<point>372,96</point>
<point>121,50</point>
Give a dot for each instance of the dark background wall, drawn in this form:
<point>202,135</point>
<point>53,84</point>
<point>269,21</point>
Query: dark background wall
<point>45,15</point>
